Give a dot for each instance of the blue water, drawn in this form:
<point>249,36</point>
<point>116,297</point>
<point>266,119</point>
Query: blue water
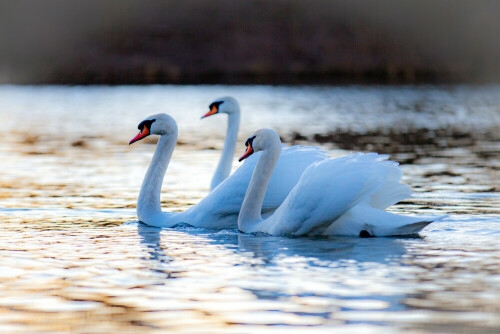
<point>75,259</point>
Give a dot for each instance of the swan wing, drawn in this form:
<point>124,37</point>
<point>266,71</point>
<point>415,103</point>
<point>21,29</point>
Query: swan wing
<point>333,195</point>
<point>369,215</point>
<point>327,190</point>
<point>346,196</point>
<point>220,208</point>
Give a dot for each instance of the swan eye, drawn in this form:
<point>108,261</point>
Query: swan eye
<point>147,123</point>
<point>213,108</point>
<point>249,141</point>
<point>215,105</point>
<point>145,130</point>
<point>249,151</point>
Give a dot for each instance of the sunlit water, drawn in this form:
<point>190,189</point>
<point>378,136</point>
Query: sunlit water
<point>73,258</point>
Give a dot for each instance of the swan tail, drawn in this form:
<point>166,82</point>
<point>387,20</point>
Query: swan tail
<point>411,229</point>
<point>364,220</point>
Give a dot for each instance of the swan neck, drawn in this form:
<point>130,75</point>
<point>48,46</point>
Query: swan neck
<point>226,160</point>
<point>149,203</point>
<point>250,212</point>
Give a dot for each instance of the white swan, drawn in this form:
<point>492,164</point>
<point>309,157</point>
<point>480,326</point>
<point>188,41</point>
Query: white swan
<point>225,105</point>
<point>220,208</point>
<point>343,196</point>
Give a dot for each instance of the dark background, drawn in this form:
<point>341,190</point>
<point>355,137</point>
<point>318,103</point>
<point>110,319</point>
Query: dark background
<point>255,41</point>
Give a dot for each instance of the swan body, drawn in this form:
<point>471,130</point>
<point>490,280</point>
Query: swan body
<point>220,208</point>
<point>342,196</point>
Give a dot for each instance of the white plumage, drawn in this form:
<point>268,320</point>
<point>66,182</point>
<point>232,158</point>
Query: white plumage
<point>220,208</point>
<point>343,196</point>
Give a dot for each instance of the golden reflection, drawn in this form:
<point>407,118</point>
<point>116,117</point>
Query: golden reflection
<point>73,258</point>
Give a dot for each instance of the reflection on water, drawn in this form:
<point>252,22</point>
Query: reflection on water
<point>74,260</point>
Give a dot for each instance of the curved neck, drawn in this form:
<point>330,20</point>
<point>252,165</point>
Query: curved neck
<point>226,160</point>
<point>148,203</point>
<point>250,212</point>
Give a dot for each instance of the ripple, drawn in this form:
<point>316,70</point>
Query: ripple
<point>75,259</point>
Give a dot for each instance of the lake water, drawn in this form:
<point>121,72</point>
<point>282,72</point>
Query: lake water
<point>74,259</point>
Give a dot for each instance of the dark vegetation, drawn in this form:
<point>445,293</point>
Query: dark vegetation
<point>255,41</point>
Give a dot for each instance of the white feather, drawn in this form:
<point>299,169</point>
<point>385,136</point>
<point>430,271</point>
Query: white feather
<point>343,196</point>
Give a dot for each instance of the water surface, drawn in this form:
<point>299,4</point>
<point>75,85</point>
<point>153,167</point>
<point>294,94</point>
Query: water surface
<point>73,258</point>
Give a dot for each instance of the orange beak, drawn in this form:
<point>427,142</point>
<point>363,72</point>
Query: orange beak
<point>247,153</point>
<point>144,132</point>
<point>212,111</point>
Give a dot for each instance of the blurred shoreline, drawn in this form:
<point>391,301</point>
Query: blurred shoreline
<point>251,42</point>
<point>337,78</point>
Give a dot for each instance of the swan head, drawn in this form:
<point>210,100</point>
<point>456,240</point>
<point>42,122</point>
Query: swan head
<point>261,139</point>
<point>159,124</point>
<point>224,105</point>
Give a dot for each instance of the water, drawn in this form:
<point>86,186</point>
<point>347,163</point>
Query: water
<point>73,258</point>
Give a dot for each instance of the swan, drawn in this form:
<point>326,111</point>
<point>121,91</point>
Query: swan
<point>230,106</point>
<point>220,208</point>
<point>343,196</point>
